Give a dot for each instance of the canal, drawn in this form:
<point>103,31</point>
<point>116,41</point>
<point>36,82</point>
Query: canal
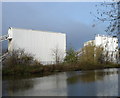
<point>77,83</point>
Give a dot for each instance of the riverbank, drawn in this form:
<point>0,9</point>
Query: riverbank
<point>23,64</point>
<point>43,70</point>
<point>72,83</point>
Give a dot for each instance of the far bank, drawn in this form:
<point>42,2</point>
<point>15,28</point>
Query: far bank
<point>40,70</point>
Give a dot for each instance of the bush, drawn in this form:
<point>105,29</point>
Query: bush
<point>71,57</point>
<point>19,57</point>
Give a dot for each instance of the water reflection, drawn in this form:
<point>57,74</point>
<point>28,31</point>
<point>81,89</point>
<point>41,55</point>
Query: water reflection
<point>97,83</point>
<point>12,86</point>
<point>91,76</point>
<point>53,85</point>
<point>76,83</point>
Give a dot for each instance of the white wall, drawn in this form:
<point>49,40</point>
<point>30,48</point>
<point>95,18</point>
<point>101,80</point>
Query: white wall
<point>38,43</point>
<point>91,42</point>
<point>110,44</point>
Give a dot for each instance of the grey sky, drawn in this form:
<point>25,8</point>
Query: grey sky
<point>74,19</point>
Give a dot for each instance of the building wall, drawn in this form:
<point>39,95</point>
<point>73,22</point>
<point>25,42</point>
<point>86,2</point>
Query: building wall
<point>110,46</point>
<point>41,44</point>
<point>91,42</point>
<point>109,43</point>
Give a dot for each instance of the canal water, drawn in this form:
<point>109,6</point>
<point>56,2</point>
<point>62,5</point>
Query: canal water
<point>77,83</point>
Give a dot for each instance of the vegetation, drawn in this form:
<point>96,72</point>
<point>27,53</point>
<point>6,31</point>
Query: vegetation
<point>57,54</point>
<point>20,63</point>
<point>19,57</point>
<point>109,12</point>
<point>92,54</point>
<point>71,56</point>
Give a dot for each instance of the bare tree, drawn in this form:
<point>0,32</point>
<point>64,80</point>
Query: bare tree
<point>109,12</point>
<point>58,55</point>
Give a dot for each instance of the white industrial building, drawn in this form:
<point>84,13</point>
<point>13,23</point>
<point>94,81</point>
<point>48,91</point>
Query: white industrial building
<point>109,44</point>
<point>41,44</point>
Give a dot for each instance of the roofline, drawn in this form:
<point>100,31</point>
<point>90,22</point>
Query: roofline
<point>105,36</point>
<point>36,30</point>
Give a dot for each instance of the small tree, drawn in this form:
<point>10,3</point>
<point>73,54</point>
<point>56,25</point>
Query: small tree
<point>18,57</point>
<point>58,55</point>
<point>92,54</point>
<point>99,54</point>
<point>71,56</point>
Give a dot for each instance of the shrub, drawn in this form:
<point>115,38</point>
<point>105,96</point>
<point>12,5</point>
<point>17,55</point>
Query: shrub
<point>71,56</point>
<point>19,57</point>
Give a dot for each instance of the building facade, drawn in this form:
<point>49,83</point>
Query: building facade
<point>40,44</point>
<point>109,45</point>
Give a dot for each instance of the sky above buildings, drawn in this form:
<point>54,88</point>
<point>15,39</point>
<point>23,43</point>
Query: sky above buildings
<point>72,18</point>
